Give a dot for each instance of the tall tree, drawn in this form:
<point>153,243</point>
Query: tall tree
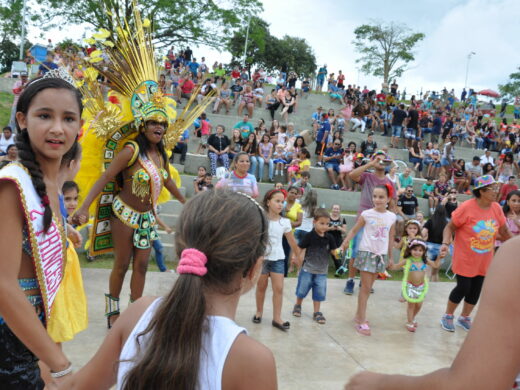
<point>174,21</point>
<point>385,49</point>
<point>293,52</point>
<point>512,87</point>
<point>256,45</point>
<point>10,31</point>
<point>271,53</point>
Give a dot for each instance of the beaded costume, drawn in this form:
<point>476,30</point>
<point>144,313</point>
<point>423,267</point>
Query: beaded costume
<point>127,63</point>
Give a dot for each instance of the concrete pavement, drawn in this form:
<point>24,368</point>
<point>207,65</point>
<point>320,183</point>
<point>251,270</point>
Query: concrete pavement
<point>312,356</point>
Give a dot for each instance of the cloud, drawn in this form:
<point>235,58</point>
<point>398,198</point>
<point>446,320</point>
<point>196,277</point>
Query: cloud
<point>489,28</point>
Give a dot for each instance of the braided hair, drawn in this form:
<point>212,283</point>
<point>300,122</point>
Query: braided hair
<point>25,151</point>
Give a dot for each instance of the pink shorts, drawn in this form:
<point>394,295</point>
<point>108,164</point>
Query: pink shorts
<point>292,168</point>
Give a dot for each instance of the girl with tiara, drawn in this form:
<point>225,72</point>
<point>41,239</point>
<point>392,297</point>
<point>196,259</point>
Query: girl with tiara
<point>415,281</point>
<point>48,116</point>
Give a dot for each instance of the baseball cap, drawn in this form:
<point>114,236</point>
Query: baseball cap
<point>360,155</point>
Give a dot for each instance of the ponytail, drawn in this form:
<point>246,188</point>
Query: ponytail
<point>172,354</point>
<point>28,160</point>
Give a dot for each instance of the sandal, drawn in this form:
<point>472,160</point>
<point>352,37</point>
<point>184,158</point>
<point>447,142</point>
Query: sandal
<point>283,327</point>
<point>363,329</point>
<point>256,319</point>
<point>410,327</point>
<point>319,318</point>
<point>297,311</point>
<point>111,309</point>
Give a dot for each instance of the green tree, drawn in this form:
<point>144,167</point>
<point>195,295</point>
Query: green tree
<point>293,52</point>
<point>512,87</point>
<point>258,36</point>
<point>385,49</point>
<point>175,22</point>
<point>269,52</point>
<point>10,31</point>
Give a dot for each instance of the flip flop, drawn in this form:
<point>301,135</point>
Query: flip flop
<point>256,319</point>
<point>410,327</point>
<point>283,327</point>
<point>363,329</point>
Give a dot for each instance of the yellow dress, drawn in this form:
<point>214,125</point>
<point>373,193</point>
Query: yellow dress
<point>301,165</point>
<point>69,311</point>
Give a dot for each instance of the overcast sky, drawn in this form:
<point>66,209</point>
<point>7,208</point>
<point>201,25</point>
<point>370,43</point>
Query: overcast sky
<point>453,28</point>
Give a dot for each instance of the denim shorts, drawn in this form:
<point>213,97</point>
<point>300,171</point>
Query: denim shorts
<point>409,133</point>
<point>396,131</point>
<point>333,166</point>
<point>308,281</point>
<point>444,162</point>
<point>433,251</point>
<point>273,266</point>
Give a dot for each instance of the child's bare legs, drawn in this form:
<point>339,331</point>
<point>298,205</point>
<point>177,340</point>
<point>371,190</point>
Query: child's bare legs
<point>250,107</point>
<point>343,178</point>
<point>367,281</point>
<point>261,286</point>
<point>417,309</point>
<point>410,312</point>
<point>277,285</point>
<point>316,305</point>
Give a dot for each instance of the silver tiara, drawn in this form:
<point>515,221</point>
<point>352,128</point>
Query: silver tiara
<point>251,199</point>
<point>58,73</point>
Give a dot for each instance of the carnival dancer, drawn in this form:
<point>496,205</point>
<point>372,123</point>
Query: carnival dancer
<point>33,241</point>
<point>133,130</point>
<point>415,281</point>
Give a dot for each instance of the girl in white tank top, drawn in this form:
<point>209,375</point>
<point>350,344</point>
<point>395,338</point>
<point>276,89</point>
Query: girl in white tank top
<point>189,340</point>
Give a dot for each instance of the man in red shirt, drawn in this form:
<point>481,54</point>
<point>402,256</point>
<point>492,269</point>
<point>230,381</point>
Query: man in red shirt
<point>185,88</point>
<point>506,189</point>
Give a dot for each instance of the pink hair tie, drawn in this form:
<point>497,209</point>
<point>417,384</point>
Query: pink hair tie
<point>192,262</point>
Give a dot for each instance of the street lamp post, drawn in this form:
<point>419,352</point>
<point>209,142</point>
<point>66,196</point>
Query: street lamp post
<point>467,68</point>
<point>247,38</point>
<point>23,28</point>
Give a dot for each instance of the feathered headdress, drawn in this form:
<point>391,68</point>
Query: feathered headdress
<point>128,64</point>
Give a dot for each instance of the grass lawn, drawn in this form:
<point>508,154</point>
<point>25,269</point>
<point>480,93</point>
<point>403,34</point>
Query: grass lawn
<point>6,102</point>
<point>106,261</point>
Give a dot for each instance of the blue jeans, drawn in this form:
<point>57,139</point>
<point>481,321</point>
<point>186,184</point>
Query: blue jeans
<point>254,163</point>
<point>261,163</point>
<point>159,256</point>
<point>308,281</point>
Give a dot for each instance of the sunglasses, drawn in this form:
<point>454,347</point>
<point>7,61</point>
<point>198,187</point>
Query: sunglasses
<point>337,144</point>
